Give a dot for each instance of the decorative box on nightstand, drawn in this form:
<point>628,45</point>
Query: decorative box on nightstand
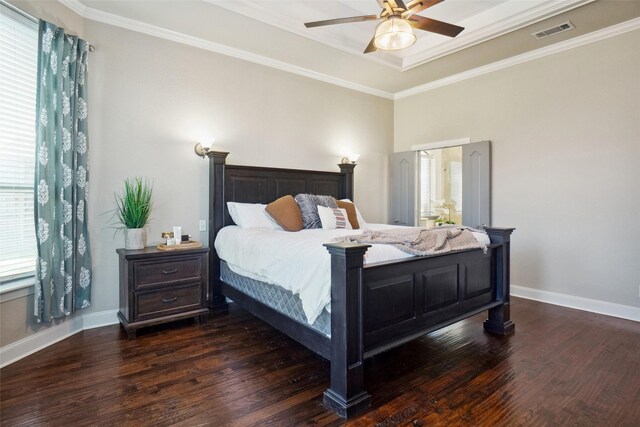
<point>161,286</point>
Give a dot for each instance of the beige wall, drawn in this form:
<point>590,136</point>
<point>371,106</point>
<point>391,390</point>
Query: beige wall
<point>151,100</point>
<point>565,132</point>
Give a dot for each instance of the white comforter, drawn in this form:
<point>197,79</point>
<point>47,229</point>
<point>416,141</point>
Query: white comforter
<point>296,261</point>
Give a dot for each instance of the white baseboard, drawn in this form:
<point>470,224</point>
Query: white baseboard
<point>601,307</point>
<point>36,342</point>
<point>99,319</point>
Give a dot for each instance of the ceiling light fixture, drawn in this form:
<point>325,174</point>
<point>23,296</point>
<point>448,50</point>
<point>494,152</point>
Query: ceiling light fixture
<point>398,22</point>
<point>394,33</point>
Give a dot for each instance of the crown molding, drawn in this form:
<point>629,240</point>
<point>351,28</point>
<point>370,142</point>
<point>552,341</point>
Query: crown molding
<point>502,27</point>
<point>76,6</point>
<point>585,39</point>
<point>163,33</point>
<point>260,11</point>
<point>152,30</point>
<point>520,16</point>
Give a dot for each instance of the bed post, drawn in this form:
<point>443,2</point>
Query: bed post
<point>346,169</point>
<point>499,321</point>
<point>217,161</point>
<point>346,394</point>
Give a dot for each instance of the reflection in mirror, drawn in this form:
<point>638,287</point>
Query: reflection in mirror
<point>440,186</point>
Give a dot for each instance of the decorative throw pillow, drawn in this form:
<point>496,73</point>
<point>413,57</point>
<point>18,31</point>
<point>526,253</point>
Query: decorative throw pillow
<point>361,221</point>
<point>332,218</point>
<point>251,215</point>
<point>309,207</point>
<point>351,212</point>
<point>286,212</point>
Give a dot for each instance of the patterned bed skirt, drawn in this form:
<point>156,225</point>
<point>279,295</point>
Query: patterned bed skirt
<point>278,298</point>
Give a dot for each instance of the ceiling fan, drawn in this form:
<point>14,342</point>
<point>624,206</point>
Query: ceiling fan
<point>398,20</point>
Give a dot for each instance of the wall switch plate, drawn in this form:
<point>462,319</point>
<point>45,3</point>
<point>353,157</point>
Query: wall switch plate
<point>203,225</point>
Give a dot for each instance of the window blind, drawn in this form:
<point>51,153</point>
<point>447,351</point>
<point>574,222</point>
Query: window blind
<point>18,62</point>
<point>426,191</point>
<point>455,169</point>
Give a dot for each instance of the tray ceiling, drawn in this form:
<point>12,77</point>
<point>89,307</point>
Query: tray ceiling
<point>482,19</point>
<point>272,33</point>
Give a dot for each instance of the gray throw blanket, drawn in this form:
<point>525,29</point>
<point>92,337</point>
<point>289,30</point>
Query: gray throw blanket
<point>420,241</point>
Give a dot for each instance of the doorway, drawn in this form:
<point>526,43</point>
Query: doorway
<point>440,186</point>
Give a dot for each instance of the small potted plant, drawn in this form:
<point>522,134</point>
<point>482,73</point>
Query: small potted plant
<point>445,207</point>
<point>133,208</point>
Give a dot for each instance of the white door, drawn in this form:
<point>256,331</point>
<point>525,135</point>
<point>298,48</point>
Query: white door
<point>403,193</point>
<point>476,184</point>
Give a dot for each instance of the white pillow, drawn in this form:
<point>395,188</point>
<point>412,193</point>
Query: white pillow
<point>251,215</point>
<point>361,221</point>
<point>332,218</point>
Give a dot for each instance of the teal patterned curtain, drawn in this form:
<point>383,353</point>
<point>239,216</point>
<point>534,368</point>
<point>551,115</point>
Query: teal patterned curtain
<point>63,268</point>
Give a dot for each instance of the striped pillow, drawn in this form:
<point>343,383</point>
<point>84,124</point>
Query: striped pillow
<point>332,218</point>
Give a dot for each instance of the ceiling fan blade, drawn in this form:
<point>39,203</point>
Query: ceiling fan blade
<point>371,47</point>
<point>434,26</point>
<point>400,4</point>
<point>416,6</point>
<point>341,21</point>
<point>397,4</point>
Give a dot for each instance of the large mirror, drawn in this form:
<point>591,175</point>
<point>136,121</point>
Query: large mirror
<point>442,185</point>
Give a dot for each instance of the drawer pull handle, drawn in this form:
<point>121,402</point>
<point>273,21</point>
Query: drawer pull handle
<point>175,270</point>
<point>168,300</point>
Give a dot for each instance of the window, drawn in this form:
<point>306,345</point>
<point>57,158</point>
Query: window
<point>455,178</point>
<point>18,62</point>
<point>427,184</point>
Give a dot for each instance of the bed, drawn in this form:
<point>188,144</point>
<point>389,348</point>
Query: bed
<point>374,307</point>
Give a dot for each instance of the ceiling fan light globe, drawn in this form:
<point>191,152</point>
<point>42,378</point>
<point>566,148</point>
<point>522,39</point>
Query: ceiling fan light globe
<point>394,34</point>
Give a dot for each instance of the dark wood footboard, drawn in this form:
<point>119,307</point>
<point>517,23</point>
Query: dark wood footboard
<point>378,307</point>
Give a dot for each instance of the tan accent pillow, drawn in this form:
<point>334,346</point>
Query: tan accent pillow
<point>351,213</point>
<point>286,212</point>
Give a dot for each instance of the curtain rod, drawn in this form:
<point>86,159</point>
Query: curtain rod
<point>32,18</point>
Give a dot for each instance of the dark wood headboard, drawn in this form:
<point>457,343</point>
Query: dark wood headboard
<point>253,184</point>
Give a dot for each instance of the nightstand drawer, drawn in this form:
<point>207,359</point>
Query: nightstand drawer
<point>165,301</point>
<point>153,273</point>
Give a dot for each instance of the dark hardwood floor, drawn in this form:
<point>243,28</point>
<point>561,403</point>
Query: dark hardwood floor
<point>562,367</point>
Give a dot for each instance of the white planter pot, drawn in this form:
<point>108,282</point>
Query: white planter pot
<point>135,238</point>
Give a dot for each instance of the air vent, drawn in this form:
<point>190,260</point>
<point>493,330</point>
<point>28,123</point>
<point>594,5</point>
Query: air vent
<point>554,30</point>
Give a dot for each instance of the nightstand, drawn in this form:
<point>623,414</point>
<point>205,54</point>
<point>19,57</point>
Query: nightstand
<point>161,286</point>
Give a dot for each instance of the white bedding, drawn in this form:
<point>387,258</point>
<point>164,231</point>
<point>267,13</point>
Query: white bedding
<point>296,261</point>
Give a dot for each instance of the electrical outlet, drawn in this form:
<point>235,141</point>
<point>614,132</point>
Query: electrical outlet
<point>203,225</point>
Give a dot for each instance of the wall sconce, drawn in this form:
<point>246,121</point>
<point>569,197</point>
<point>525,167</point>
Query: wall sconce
<point>351,158</point>
<point>201,151</point>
